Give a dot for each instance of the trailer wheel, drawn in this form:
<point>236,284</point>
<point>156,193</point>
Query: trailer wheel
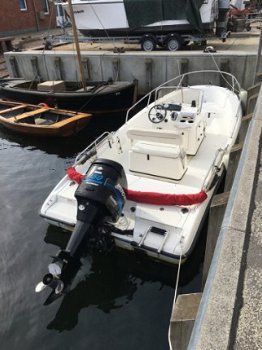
<point>173,42</point>
<point>148,43</point>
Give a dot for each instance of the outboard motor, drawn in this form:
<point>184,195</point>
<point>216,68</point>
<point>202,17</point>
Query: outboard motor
<point>100,199</point>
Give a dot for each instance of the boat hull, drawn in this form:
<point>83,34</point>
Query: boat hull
<point>111,99</point>
<point>29,120</point>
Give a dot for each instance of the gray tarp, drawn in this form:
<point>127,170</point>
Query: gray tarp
<point>142,12</point>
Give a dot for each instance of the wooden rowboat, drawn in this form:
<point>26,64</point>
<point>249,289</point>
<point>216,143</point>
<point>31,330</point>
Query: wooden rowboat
<point>41,120</point>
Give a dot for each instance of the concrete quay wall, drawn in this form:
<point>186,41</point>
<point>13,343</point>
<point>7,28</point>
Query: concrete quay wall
<point>149,69</point>
<point>228,315</point>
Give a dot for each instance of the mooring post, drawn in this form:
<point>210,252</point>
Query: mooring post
<point>232,165</point>
<point>224,67</point>
<point>244,126</point>
<point>184,69</point>
<point>14,67</point>
<point>253,90</point>
<point>58,68</point>
<point>149,64</point>
<point>116,68</point>
<point>182,320</point>
<point>251,102</point>
<point>216,214</point>
<point>86,68</point>
<point>36,72</point>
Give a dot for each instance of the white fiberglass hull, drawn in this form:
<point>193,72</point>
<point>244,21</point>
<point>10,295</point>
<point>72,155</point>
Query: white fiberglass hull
<point>178,146</point>
<point>109,17</point>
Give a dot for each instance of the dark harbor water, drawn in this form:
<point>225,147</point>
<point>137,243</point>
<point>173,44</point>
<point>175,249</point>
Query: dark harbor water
<point>116,302</point>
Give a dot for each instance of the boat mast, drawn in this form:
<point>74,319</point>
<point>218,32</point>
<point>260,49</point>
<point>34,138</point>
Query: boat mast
<point>71,11</point>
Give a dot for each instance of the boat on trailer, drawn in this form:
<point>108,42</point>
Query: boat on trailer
<point>169,23</point>
<point>147,187</point>
<point>41,120</point>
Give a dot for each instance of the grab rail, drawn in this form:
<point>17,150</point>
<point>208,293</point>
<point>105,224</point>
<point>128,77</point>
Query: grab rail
<point>93,146</point>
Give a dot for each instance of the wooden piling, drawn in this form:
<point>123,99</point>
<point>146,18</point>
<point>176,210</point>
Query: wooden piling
<point>14,67</point>
<point>216,214</point>
<point>253,90</point>
<point>34,63</point>
<point>232,165</point>
<point>58,68</point>
<point>251,102</point>
<point>149,72</point>
<point>243,128</point>
<point>182,320</point>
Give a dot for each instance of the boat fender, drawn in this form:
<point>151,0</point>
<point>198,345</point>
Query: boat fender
<point>150,197</point>
<point>42,104</point>
<point>243,99</point>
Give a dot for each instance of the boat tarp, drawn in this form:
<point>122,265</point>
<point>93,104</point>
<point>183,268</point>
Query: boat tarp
<point>143,12</point>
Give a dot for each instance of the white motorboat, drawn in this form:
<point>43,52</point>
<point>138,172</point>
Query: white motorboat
<point>147,187</point>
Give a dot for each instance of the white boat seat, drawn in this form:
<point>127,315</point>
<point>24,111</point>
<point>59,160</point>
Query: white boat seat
<point>155,135</point>
<point>158,159</point>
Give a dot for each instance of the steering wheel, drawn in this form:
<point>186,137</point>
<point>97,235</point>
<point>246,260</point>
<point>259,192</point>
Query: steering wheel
<point>157,114</point>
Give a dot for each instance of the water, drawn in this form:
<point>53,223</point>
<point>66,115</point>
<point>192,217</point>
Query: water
<point>116,302</point>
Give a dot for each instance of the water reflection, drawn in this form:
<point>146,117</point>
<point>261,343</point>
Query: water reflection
<point>63,147</point>
<point>109,282</point>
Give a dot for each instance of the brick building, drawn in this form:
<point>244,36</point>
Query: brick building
<point>21,16</point>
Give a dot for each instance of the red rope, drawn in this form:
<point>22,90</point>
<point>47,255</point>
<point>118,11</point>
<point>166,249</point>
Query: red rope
<point>151,197</point>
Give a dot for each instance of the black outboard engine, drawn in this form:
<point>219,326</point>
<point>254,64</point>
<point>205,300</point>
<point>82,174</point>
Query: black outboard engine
<point>100,199</point>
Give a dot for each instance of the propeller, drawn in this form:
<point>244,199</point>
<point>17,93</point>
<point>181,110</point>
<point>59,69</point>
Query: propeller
<point>51,279</point>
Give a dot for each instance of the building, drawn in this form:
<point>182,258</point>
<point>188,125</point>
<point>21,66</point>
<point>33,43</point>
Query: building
<point>22,16</point>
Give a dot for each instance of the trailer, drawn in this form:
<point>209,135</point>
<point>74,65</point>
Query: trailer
<point>170,24</point>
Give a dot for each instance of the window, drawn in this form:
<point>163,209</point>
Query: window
<point>22,4</point>
<point>45,6</point>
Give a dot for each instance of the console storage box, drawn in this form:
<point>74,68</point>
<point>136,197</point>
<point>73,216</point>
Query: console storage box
<point>52,85</point>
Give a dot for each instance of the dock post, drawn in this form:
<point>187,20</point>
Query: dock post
<point>251,103</point>
<point>253,90</point>
<point>224,67</point>
<point>244,126</point>
<point>232,164</point>
<point>216,213</point>
<point>58,68</point>
<point>149,65</point>
<point>184,69</point>
<point>35,67</point>
<point>116,68</point>
<point>86,68</point>
<point>182,320</point>
<point>14,67</point>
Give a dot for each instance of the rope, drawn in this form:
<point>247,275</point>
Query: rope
<point>178,270</point>
<point>222,75</point>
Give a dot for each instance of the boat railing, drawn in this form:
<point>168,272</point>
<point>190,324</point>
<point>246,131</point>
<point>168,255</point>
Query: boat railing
<point>183,80</point>
<point>90,150</point>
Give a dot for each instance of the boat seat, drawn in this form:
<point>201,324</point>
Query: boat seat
<point>155,135</point>
<point>158,159</point>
